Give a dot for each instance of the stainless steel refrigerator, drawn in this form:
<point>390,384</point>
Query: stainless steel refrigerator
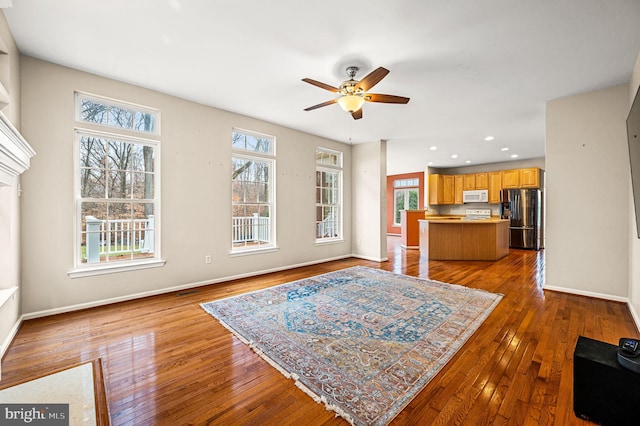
<point>523,207</point>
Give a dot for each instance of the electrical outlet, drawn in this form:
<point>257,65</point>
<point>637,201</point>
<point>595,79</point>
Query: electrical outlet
<point>207,259</point>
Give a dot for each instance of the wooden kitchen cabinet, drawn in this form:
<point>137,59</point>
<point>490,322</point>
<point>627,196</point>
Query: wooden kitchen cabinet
<point>458,187</point>
<point>495,187</point>
<point>436,189</point>
<point>469,181</point>
<point>530,178</point>
<point>448,187</point>
<point>441,189</point>
<point>482,181</point>
<point>521,178</point>
<point>511,178</point>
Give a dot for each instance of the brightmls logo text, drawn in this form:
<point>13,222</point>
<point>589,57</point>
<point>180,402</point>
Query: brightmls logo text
<point>34,414</point>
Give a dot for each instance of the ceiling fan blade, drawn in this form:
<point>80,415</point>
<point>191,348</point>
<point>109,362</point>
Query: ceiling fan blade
<point>357,115</point>
<point>321,85</point>
<point>373,78</point>
<point>332,101</point>
<point>387,99</point>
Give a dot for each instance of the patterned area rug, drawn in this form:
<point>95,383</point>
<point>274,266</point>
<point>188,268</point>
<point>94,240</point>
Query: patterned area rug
<point>362,341</point>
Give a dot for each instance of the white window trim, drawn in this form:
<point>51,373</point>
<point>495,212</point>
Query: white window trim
<point>84,270</point>
<point>272,146</point>
<point>122,104</point>
<point>264,156</point>
<point>273,245</point>
<point>333,168</point>
<point>116,267</point>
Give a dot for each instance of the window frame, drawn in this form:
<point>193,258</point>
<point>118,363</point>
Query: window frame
<point>338,170</point>
<point>270,158</point>
<point>84,269</point>
<point>79,96</point>
<point>404,185</point>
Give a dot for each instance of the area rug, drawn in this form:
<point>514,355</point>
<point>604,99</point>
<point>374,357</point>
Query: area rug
<point>363,341</point>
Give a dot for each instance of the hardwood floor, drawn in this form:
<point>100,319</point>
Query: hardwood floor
<point>167,362</point>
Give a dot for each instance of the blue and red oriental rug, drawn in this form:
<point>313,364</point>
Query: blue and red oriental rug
<point>362,341</point>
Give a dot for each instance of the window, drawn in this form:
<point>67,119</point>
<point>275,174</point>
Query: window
<point>405,197</point>
<point>252,191</point>
<point>328,195</point>
<point>118,199</point>
<point>121,115</point>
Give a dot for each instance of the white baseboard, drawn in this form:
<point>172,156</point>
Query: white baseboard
<point>125,298</point>
<point>587,293</point>
<point>373,259</point>
<point>634,315</point>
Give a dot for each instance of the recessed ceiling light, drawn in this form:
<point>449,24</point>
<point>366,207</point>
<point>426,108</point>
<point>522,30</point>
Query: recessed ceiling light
<point>514,155</point>
<point>504,149</point>
<point>468,161</point>
<point>433,148</point>
<point>430,163</point>
<point>454,156</point>
<point>489,138</point>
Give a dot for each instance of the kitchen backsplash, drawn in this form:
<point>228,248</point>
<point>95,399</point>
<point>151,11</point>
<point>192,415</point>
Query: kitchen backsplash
<point>461,209</point>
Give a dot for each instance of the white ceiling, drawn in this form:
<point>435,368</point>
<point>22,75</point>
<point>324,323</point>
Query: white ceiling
<point>471,68</point>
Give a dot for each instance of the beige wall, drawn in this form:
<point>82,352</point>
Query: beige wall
<point>634,242</point>
<point>369,200</point>
<point>587,181</point>
<point>196,189</point>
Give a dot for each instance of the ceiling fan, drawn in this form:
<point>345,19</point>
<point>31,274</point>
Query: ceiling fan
<point>353,93</point>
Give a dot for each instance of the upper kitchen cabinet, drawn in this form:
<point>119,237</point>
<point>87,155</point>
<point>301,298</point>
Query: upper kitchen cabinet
<point>458,187</point>
<point>482,181</point>
<point>495,186</point>
<point>469,182</point>
<point>448,196</point>
<point>441,189</point>
<point>521,178</point>
<point>511,178</point>
<point>436,189</point>
<point>476,181</point>
<point>530,178</point>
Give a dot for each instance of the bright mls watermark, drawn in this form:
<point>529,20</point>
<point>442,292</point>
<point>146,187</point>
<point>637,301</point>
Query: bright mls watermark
<point>34,414</point>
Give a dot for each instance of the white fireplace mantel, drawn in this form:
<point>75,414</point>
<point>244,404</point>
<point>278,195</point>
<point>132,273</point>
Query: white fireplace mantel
<point>15,153</point>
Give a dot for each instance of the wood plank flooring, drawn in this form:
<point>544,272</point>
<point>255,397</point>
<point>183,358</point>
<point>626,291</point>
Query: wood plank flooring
<point>167,362</point>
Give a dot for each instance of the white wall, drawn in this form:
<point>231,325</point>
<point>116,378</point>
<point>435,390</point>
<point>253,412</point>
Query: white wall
<point>587,222</point>
<point>634,242</point>
<point>9,200</point>
<point>370,200</point>
<point>196,190</point>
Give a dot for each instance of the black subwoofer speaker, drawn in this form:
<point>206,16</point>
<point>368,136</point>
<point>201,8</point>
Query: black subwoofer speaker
<point>603,391</point>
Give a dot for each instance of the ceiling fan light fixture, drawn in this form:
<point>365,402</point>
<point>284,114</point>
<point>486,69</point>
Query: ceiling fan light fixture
<point>351,103</point>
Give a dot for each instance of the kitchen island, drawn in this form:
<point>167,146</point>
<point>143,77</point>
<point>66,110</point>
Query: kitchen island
<point>457,238</point>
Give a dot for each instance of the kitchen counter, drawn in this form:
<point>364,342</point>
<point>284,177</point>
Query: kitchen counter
<point>458,238</point>
<point>462,219</point>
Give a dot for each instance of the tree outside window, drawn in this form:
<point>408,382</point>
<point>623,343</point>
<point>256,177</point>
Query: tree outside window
<point>328,195</point>
<point>117,204</point>
<point>252,172</point>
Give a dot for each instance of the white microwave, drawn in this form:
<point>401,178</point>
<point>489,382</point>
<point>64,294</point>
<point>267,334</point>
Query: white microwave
<point>476,196</point>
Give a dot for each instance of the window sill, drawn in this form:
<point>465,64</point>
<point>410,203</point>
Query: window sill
<point>329,241</point>
<point>6,294</point>
<point>91,271</point>
<point>253,251</point>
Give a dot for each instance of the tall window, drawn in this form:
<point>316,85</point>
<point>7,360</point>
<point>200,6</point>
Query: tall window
<point>328,195</point>
<point>117,202</point>
<point>405,197</point>
<point>252,191</point>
